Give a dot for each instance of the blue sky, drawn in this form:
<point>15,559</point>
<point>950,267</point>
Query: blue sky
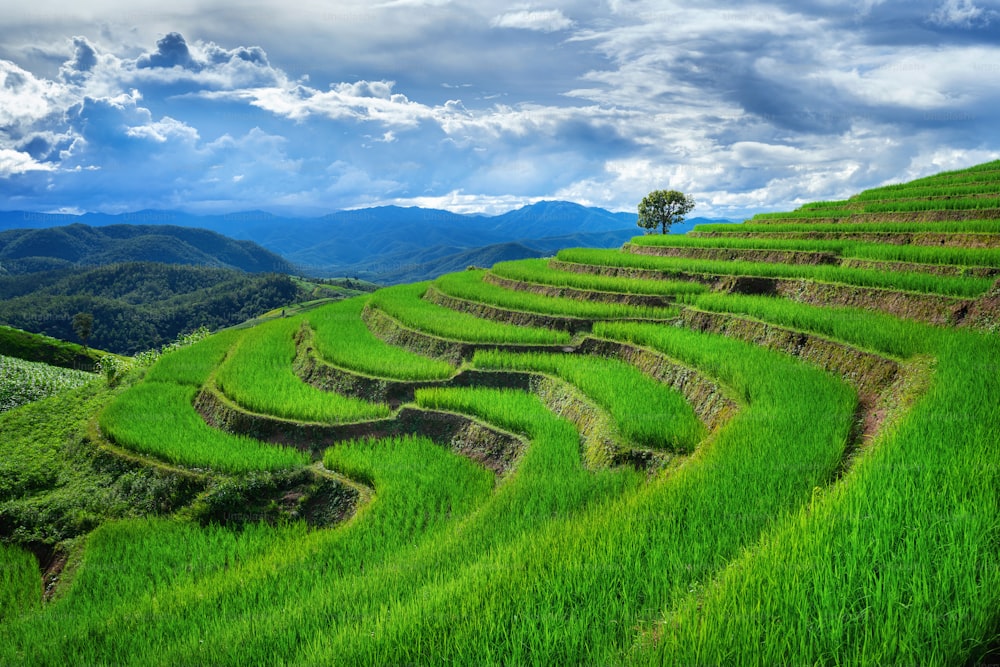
<point>114,105</point>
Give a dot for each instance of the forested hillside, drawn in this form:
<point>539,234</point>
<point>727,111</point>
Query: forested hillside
<point>140,305</point>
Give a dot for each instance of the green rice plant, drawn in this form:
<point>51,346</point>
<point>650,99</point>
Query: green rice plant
<point>343,340</point>
<point>26,381</point>
<point>159,418</point>
<point>944,204</point>
<point>843,247</point>
<point>404,303</point>
<point>956,227</point>
<point>193,364</point>
<point>973,188</point>
<point>909,281</point>
<point>469,285</point>
<point>538,271</point>
<point>258,375</point>
<point>874,331</point>
<point>575,590</point>
<point>647,413</point>
<point>909,538</point>
<point>20,585</point>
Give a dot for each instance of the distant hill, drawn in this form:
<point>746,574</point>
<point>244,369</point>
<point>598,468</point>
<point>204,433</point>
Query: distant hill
<point>140,305</point>
<point>386,244</point>
<point>33,250</point>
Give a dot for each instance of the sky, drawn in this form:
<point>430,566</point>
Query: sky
<point>480,106</point>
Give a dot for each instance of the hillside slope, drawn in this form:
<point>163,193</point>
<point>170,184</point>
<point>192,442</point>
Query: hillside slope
<point>767,443</point>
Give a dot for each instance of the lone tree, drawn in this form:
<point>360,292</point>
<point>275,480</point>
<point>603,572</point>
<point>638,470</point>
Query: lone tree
<point>83,324</point>
<point>662,208</point>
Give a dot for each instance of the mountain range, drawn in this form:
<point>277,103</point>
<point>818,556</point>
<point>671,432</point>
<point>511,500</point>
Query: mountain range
<point>387,244</point>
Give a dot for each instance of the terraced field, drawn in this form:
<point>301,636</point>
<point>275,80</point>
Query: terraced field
<point>767,443</point>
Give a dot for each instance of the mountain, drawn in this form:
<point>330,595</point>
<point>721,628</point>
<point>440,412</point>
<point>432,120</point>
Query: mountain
<point>383,243</point>
<point>77,244</point>
<point>140,305</point>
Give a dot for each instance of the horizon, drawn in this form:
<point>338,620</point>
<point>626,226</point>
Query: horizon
<point>482,109</point>
<point>237,213</point>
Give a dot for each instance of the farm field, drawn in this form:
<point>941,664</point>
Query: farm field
<point>729,447</point>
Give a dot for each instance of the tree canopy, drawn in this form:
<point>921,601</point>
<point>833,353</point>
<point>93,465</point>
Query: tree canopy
<point>663,208</point>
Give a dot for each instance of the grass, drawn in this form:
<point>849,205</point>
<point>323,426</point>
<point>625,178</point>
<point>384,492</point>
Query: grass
<point>159,418</point>
<point>910,539</point>
<point>343,340</point>
<point>404,303</point>
<point>958,227</point>
<point>537,271</point>
<point>20,585</point>
<point>647,413</point>
<point>191,365</point>
<point>909,281</point>
<point>26,381</point>
<point>845,248</point>
<point>258,375</point>
<point>469,285</point>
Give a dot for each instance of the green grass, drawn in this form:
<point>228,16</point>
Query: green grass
<point>845,248</point>
<point>909,539</point>
<point>469,285</point>
<point>258,375</point>
<point>159,418</point>
<point>914,282</point>
<point>646,412</point>
<point>343,340</point>
<point>957,227</point>
<point>404,303</point>
<point>537,271</point>
<point>26,381</point>
<point>877,332</point>
<point>20,583</point>
<point>191,365</point>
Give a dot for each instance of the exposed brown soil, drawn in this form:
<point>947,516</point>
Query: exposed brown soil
<point>736,254</point>
<point>652,300</point>
<point>943,239</point>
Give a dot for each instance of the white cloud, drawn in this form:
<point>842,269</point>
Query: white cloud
<point>548,20</point>
<point>961,14</point>
<point>14,162</point>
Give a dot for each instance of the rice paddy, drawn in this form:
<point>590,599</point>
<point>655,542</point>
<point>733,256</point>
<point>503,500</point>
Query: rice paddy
<point>794,532</point>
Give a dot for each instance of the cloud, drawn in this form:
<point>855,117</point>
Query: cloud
<point>748,107</point>
<point>961,14</point>
<point>14,162</point>
<point>550,20</point>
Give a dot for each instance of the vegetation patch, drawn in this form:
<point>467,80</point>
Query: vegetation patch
<point>732,254</point>
<point>643,300</point>
<point>26,381</point>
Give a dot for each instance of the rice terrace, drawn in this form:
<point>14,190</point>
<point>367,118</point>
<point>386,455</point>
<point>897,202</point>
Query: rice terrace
<point>763,443</point>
